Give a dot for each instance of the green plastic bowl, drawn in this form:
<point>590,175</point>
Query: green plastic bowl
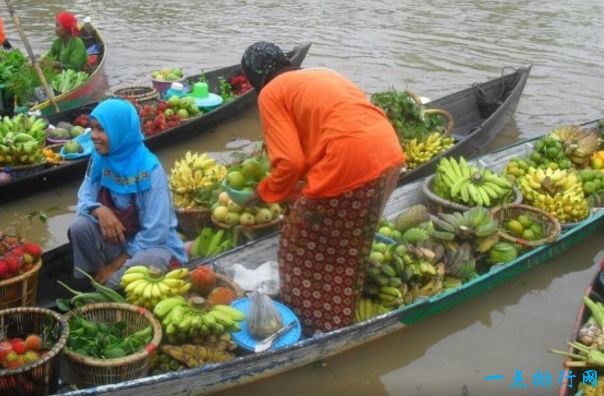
<point>239,197</point>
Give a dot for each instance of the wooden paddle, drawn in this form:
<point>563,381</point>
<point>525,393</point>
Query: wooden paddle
<point>17,22</point>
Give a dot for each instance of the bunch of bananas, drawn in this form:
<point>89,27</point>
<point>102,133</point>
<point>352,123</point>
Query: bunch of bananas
<point>21,140</point>
<point>417,152</point>
<point>469,185</point>
<point>192,173</point>
<point>147,286</point>
<point>367,308</point>
<point>184,319</point>
<point>475,225</point>
<point>193,355</point>
<point>558,192</point>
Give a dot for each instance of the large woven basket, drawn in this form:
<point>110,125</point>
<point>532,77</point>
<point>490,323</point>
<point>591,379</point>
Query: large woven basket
<point>88,371</point>
<point>41,376</point>
<point>257,229</point>
<point>20,291</point>
<point>551,226</point>
<point>139,93</point>
<point>192,220</point>
<point>444,205</point>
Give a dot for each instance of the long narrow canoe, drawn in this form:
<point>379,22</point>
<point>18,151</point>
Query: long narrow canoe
<point>82,94</point>
<point>253,367</point>
<point>595,291</point>
<point>476,125</point>
<point>73,170</point>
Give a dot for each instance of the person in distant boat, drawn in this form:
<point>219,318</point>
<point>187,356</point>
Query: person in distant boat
<point>68,49</point>
<point>124,213</point>
<point>3,40</point>
<point>321,128</point>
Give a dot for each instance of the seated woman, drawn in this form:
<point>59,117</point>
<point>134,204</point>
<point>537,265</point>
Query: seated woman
<point>124,213</point>
<point>68,49</point>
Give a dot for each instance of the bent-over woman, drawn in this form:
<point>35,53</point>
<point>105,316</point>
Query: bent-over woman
<point>320,128</point>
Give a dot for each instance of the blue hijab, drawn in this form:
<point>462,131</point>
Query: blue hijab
<point>127,167</point>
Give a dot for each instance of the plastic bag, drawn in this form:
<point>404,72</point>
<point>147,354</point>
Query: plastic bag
<point>264,319</point>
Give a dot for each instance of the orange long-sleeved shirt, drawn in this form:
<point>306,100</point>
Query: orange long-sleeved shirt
<point>2,36</point>
<point>320,127</point>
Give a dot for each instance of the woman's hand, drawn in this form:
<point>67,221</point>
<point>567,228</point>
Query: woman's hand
<point>111,227</point>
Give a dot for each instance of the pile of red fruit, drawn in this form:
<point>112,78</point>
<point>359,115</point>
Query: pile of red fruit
<point>240,84</point>
<point>81,120</point>
<point>16,352</point>
<point>17,258</point>
<point>153,119</point>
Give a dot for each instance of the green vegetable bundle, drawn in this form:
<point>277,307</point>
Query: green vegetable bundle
<point>68,80</point>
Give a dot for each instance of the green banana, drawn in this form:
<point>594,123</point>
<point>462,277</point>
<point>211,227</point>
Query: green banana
<point>235,314</point>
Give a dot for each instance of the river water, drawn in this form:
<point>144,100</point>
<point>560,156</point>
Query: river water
<point>433,48</point>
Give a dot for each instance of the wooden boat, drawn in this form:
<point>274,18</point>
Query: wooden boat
<point>253,367</point>
<point>56,175</point>
<point>476,122</point>
<point>82,94</point>
<point>595,291</point>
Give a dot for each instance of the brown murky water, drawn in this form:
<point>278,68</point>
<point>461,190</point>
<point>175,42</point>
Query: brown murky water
<point>433,48</point>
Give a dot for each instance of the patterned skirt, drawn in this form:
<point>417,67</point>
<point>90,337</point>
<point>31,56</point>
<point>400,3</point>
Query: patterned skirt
<point>324,253</point>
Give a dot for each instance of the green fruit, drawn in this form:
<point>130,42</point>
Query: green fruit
<point>377,257</point>
<point>380,247</point>
<point>220,213</point>
<point>232,218</point>
<point>525,220</point>
<point>73,147</point>
<point>565,164</point>
<point>515,227</point>
<point>236,180</point>
<point>252,168</point>
<point>183,113</point>
<point>589,187</point>
<point>552,153</point>
<point>528,235</point>
<point>174,101</point>
<point>537,230</point>
<point>587,175</point>
<point>536,157</point>
<point>385,231</point>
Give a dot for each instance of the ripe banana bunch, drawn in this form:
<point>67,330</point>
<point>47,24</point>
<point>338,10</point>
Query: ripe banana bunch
<point>469,185</point>
<point>558,192</point>
<point>367,308</point>
<point>147,286</point>
<point>192,173</point>
<point>475,224</point>
<point>21,140</point>
<point>184,319</point>
<point>418,152</point>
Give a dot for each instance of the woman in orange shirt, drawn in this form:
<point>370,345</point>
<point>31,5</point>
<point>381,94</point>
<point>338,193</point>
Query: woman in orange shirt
<point>3,40</point>
<point>321,129</point>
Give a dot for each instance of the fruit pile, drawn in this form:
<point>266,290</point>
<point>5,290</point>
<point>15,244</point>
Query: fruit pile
<point>184,319</point>
<point>153,119</point>
<point>184,107</point>
<point>467,184</point>
<point>73,147</point>
<point>181,357</point>
<point>21,140</point>
<point>16,352</point>
<point>168,74</point>
<point>147,286</point>
<point>418,152</point>
<point>593,182</point>
<point>52,156</point>
<point>195,180</point>
<point>522,226</point>
<point>549,153</point>
<point>64,131</point>
<point>558,192</point>
<point>228,212</point>
<point>16,257</point>
<point>367,308</point>
<point>240,84</point>
<point>245,177</point>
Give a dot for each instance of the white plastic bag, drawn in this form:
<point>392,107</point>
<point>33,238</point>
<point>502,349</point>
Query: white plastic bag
<point>264,319</point>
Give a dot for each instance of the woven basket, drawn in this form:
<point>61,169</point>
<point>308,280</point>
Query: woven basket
<point>225,281</point>
<point>551,226</point>
<point>192,220</point>
<point>39,377</point>
<point>21,290</point>
<point>444,205</point>
<point>139,93</point>
<point>89,371</point>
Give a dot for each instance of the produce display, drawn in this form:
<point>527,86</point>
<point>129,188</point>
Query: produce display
<point>183,107</point>
<point>245,177</point>
<point>558,192</point>
<point>17,256</point>
<point>195,180</point>
<point>420,132</point>
<point>68,80</point>
<point>231,214</point>
<point>168,74</point>
<point>16,352</point>
<point>240,84</point>
<point>180,357</point>
<point>592,182</point>
<point>522,226</point>
<point>147,286</point>
<point>21,140</point>
<point>153,118</point>
<point>469,185</point>
<point>64,131</point>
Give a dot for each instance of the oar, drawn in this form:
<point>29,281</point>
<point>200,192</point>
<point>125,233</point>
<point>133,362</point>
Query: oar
<point>17,22</point>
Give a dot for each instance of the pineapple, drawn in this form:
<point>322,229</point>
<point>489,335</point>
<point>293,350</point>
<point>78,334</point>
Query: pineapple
<point>579,144</point>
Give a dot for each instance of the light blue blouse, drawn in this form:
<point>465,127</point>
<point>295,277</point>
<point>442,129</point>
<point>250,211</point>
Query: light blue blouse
<point>156,214</point>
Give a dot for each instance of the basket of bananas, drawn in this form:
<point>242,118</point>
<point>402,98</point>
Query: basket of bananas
<point>526,225</point>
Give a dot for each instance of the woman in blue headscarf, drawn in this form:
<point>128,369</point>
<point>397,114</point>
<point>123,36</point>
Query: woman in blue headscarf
<point>124,213</point>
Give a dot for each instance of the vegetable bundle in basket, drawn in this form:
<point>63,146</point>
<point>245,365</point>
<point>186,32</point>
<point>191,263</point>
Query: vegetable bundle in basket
<point>421,132</point>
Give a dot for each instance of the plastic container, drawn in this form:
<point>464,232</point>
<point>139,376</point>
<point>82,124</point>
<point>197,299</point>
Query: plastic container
<point>85,140</point>
<point>239,197</point>
<point>203,98</point>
